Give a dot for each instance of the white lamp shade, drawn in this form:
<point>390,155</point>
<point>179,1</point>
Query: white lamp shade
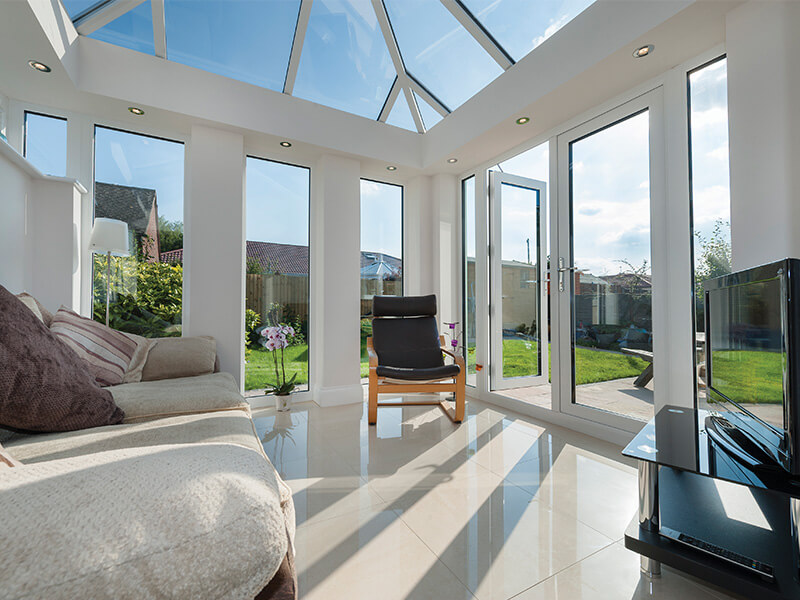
<point>109,235</point>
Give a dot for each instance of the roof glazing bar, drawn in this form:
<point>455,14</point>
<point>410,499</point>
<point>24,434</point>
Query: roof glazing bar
<point>397,61</point>
<point>297,45</point>
<point>477,31</point>
<point>428,96</point>
<point>159,28</point>
<point>103,14</point>
<point>394,92</point>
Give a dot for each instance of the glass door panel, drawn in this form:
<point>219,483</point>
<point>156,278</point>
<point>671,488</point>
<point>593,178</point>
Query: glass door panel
<point>605,268</point>
<point>519,350</point>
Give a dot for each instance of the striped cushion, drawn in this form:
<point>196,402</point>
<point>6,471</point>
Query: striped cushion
<point>106,352</point>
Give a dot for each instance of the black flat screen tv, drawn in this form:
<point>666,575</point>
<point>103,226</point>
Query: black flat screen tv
<point>752,370</point>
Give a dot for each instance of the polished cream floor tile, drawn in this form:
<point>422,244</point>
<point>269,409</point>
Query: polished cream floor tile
<point>613,574</point>
<point>498,507</point>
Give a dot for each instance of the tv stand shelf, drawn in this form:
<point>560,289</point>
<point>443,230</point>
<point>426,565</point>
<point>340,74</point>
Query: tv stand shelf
<point>686,486</point>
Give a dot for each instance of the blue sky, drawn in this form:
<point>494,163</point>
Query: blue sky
<point>141,161</point>
<point>46,143</point>
<point>382,218</point>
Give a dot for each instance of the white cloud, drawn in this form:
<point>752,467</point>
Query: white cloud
<point>555,25</point>
<point>717,115</point>
<point>719,153</point>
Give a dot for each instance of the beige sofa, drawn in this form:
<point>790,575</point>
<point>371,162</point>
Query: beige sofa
<point>178,501</point>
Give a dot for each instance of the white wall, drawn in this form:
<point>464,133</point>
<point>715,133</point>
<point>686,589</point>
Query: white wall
<point>335,285</point>
<point>13,227</point>
<point>447,259</point>
<point>764,123</point>
<point>214,243</point>
<point>419,255</point>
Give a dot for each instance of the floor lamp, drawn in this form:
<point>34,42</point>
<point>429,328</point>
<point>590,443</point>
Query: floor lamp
<point>109,236</point>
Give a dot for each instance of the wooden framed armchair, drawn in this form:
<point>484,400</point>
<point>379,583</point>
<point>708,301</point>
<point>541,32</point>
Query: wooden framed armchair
<point>405,356</point>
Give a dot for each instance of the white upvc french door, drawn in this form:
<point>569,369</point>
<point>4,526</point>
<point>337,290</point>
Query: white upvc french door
<point>605,264</point>
<point>518,267</point>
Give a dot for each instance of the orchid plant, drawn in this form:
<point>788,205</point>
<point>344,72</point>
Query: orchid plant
<point>274,339</point>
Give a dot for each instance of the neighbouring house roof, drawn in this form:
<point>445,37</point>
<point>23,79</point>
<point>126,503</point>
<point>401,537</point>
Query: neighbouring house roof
<point>130,204</point>
<point>291,259</point>
<point>629,280</point>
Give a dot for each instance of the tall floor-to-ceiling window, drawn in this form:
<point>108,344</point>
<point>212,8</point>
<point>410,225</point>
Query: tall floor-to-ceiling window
<point>139,180</point>
<point>469,320</point>
<point>710,177</point>
<point>45,143</point>
<point>277,269</point>
<point>381,250</point>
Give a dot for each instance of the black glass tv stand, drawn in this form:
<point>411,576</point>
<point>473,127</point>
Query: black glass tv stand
<point>711,515</point>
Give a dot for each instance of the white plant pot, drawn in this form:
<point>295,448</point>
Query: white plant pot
<point>283,403</point>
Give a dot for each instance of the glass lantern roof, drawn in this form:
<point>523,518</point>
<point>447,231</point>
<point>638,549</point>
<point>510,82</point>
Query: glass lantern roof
<point>407,63</point>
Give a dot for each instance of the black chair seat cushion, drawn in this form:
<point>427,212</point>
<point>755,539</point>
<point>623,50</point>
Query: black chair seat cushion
<point>407,374</point>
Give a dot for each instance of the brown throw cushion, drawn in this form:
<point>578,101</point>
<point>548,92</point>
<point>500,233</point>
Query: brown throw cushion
<point>107,353</point>
<point>180,357</point>
<point>45,386</point>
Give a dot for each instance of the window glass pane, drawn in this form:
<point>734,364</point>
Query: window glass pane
<point>521,25</point>
<point>132,30</point>
<point>76,7</point>
<point>710,187</point>
<point>345,63</point>
<point>429,116</point>
<point>46,143</point>
<point>277,270</point>
<point>439,52</point>
<point>139,180</point>
<point>401,115</point>
<point>381,251</point>
<point>470,293</point>
<point>248,40</point>
<point>612,313</point>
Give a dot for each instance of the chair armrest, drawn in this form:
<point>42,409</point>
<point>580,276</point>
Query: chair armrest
<point>459,360</point>
<point>373,356</point>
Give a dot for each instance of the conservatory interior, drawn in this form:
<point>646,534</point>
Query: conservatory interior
<point>563,176</point>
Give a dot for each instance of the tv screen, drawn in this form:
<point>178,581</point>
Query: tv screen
<point>747,350</point>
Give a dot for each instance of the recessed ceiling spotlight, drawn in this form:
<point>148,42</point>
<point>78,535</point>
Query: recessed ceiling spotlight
<point>136,110</point>
<point>39,66</point>
<point>643,51</point>
<point>286,144</point>
<point>452,160</point>
<point>391,168</point>
<point>523,120</point>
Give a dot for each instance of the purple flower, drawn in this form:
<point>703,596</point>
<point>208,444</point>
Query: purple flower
<point>270,345</point>
<point>454,343</point>
<point>451,325</point>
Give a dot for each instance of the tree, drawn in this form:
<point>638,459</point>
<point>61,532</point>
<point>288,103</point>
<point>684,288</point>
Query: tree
<point>170,234</point>
<point>715,252</point>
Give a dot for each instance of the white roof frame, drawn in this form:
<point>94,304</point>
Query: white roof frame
<point>159,28</point>
<point>89,22</point>
<point>399,66</point>
<point>297,45</point>
<point>479,33</point>
<point>394,92</point>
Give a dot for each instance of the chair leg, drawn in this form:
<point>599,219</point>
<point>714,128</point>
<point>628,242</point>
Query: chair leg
<point>372,410</point>
<point>461,396</point>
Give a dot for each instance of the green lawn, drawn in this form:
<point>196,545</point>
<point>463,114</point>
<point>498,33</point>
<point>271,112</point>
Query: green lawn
<point>592,365</point>
<point>259,370</point>
<point>749,376</point>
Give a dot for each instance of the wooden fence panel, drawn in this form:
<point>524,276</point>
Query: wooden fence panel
<point>290,291</point>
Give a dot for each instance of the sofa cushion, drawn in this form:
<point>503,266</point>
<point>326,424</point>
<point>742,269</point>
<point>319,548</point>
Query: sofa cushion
<point>45,316</point>
<point>136,366</point>
<point>190,521</point>
<point>229,427</point>
<point>107,353</point>
<point>186,395</point>
<point>44,385</point>
<point>170,358</point>
<point>6,460</point>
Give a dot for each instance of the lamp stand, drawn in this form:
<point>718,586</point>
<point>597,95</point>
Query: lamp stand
<point>108,285</point>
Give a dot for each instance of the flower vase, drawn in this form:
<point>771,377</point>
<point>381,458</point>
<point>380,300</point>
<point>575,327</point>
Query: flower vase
<point>283,402</point>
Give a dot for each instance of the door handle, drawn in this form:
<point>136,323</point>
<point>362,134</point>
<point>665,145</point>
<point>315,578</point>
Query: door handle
<point>561,270</point>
